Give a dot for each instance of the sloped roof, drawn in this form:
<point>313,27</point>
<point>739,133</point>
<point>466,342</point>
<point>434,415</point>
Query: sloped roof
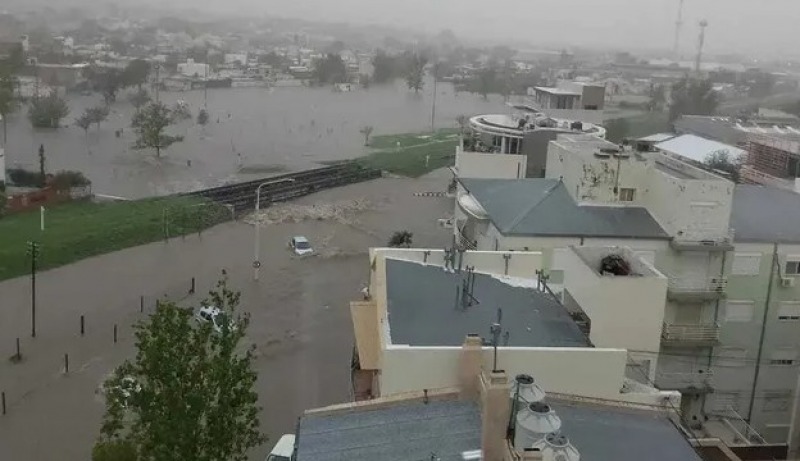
<point>543,207</point>
<point>697,148</point>
<point>765,214</point>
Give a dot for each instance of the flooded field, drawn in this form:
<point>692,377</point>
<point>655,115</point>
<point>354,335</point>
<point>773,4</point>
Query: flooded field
<point>252,132</point>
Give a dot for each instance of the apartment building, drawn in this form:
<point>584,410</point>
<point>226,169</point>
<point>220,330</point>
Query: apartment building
<point>773,159</point>
<point>683,220</point>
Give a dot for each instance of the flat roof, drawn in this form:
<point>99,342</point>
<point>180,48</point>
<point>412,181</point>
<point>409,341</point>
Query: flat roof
<point>614,432</point>
<point>558,91</point>
<point>410,430</point>
<point>657,137</point>
<point>423,310</point>
<point>697,148</point>
<point>543,207</point>
<point>765,214</point>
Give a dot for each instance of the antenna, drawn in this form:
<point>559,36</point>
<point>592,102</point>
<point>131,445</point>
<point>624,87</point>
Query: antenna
<point>678,26</point>
<point>496,330</point>
<point>700,42</point>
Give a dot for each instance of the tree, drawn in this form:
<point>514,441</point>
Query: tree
<point>202,117</point>
<point>139,98</point>
<point>150,123</point>
<point>658,97</point>
<point>693,97</point>
<point>722,161</point>
<point>7,102</point>
<point>42,173</point>
<point>366,131</point>
<point>415,72</point>
<point>97,114</point>
<point>617,129</point>
<point>47,111</point>
<point>136,73</point>
<point>189,392</point>
<point>487,81</point>
<point>180,111</point>
<point>107,81</point>
<point>401,239</point>
<point>462,121</point>
<point>386,67</point>
<point>330,69</point>
<point>114,450</point>
<point>84,121</point>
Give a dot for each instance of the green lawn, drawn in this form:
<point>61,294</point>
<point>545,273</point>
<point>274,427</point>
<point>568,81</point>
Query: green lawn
<point>78,230</point>
<point>409,157</point>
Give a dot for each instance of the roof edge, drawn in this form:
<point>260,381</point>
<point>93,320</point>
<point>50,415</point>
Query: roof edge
<point>442,394</point>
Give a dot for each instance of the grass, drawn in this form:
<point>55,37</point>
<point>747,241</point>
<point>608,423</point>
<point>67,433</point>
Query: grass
<point>78,230</point>
<point>406,154</point>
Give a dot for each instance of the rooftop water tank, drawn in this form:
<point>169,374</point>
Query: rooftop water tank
<point>526,391</point>
<point>533,424</point>
<point>556,447</point>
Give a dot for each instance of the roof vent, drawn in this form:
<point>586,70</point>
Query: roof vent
<point>556,447</point>
<point>534,422</point>
<point>526,391</point>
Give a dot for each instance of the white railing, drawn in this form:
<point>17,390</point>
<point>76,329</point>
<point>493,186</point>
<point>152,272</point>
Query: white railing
<point>684,379</point>
<point>708,237</point>
<point>464,242</point>
<point>690,332</point>
<point>697,285</point>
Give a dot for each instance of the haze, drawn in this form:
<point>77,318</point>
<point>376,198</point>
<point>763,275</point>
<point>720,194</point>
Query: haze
<point>764,27</point>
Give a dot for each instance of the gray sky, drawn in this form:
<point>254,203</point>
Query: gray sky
<point>747,25</point>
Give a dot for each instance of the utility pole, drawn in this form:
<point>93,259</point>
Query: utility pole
<point>433,107</point>
<point>678,26</point>
<point>205,84</point>
<point>33,251</point>
<point>41,165</point>
<point>700,43</point>
<point>157,84</point>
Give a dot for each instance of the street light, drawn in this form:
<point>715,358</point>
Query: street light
<point>257,240</point>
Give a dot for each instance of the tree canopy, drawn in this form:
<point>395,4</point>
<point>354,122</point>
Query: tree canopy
<point>150,123</point>
<point>330,69</point>
<point>415,71</point>
<point>693,97</point>
<point>189,392</point>
<point>136,73</point>
<point>47,111</point>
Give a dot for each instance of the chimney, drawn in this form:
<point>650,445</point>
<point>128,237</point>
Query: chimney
<point>495,410</point>
<point>469,367</point>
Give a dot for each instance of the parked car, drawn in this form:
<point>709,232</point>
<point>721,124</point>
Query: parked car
<point>300,246</point>
<point>215,316</point>
<point>283,450</point>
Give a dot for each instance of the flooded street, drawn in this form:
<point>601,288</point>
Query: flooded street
<point>252,133</point>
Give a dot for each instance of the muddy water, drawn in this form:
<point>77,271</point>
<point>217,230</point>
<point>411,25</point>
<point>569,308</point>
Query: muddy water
<point>252,132</point>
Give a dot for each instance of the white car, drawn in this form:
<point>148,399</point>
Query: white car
<point>300,246</point>
<point>216,317</point>
<point>283,450</point>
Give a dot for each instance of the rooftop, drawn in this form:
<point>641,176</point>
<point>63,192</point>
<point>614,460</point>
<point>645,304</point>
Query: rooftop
<point>409,430</point>
<point>543,207</point>
<point>423,310</point>
<point>558,91</point>
<point>513,124</point>
<point>765,214</point>
<point>696,148</point>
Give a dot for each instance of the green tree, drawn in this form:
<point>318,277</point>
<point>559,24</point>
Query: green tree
<point>722,161</point>
<point>693,97</point>
<point>98,114</point>
<point>202,117</point>
<point>47,111</point>
<point>139,98</point>
<point>106,81</point>
<point>150,123</point>
<point>617,129</point>
<point>136,73</point>
<point>401,239</point>
<point>8,103</point>
<point>330,69</point>
<point>114,450</point>
<point>658,98</point>
<point>189,392</point>
<point>415,71</point>
<point>386,67</point>
<point>84,122</point>
<point>366,131</point>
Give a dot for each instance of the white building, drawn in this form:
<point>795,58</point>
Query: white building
<point>570,99</point>
<point>194,69</point>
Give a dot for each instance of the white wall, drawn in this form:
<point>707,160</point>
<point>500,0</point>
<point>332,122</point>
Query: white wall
<point>586,372</point>
<point>520,264</point>
<point>491,166</point>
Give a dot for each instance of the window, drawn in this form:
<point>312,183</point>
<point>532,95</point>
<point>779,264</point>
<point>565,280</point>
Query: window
<point>775,401</point>
<point>739,311</point>
<point>783,357</point>
<point>627,194</point>
<point>731,357</point>
<point>746,264</point>
<point>723,402</point>
<point>789,310</point>
<point>793,266</point>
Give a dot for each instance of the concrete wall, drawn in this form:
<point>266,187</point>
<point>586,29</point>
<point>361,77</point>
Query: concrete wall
<point>587,372</point>
<point>491,166</point>
<point>519,264</point>
<point>625,311</point>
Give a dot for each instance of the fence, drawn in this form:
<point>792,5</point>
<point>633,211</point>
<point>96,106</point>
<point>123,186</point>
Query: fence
<point>36,364</point>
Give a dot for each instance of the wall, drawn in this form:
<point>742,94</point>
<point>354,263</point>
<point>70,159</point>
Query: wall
<point>587,372</point>
<point>520,264</point>
<point>625,311</point>
<point>493,166</point>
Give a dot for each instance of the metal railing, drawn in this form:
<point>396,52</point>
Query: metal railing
<point>683,380</point>
<point>705,237</point>
<point>744,432</point>
<point>697,285</point>
<point>690,332</point>
<point>464,242</point>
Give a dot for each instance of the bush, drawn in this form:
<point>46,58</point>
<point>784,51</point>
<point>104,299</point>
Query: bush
<point>3,202</point>
<point>114,450</point>
<point>67,179</point>
<point>24,178</point>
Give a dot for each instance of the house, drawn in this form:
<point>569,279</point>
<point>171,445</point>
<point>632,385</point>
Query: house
<point>193,69</point>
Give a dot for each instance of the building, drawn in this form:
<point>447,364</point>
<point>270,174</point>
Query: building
<point>194,69</point>
<point>736,131</point>
<point>522,138</point>
<point>685,221</point>
<point>486,416</point>
<point>773,159</point>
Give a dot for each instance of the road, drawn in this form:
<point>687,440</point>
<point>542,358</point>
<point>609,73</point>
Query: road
<point>299,312</point>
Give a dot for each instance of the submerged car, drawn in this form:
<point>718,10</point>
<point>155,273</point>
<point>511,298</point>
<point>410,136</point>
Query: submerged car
<point>300,246</point>
<point>217,318</point>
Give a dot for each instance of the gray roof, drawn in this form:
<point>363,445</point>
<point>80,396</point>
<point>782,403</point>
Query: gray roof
<point>543,207</point>
<point>765,214</point>
<point>422,310</point>
<point>409,431</point>
<point>603,432</point>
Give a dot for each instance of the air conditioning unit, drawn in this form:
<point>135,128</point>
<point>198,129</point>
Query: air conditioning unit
<point>787,282</point>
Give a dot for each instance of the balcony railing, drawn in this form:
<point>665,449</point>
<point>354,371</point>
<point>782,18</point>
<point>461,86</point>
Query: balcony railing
<point>704,240</point>
<point>699,381</point>
<point>687,334</point>
<point>465,242</point>
<point>696,288</point>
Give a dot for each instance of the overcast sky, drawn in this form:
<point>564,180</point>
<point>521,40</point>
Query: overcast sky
<point>749,25</point>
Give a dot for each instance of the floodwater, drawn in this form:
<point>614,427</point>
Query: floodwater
<point>252,133</point>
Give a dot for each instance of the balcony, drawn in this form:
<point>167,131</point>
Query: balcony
<point>692,289</point>
<point>703,241</point>
<point>698,335</point>
<point>699,382</point>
